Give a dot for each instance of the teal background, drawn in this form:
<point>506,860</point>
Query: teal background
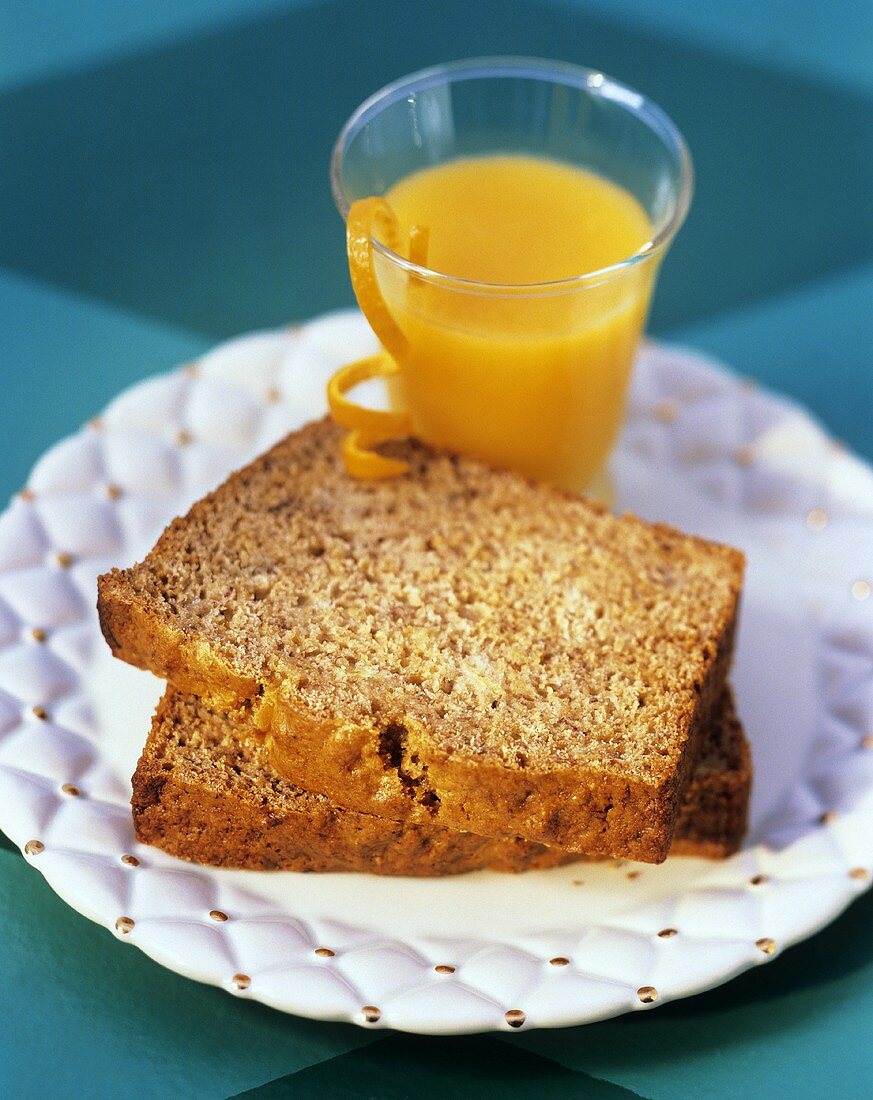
<point>163,185</point>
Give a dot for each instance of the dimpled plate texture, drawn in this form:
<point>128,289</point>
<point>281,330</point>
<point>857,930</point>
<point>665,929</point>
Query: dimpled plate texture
<point>702,449</point>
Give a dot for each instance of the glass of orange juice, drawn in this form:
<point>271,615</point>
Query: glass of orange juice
<point>506,221</point>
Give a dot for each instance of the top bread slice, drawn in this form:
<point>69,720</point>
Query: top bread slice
<point>458,646</point>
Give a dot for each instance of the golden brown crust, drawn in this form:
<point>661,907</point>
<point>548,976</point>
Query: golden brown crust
<point>609,810</point>
<point>204,791</point>
<point>713,816</point>
<point>357,697</point>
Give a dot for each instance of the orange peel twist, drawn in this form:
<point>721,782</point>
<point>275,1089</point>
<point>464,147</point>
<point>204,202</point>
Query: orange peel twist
<point>370,427</point>
<point>366,217</point>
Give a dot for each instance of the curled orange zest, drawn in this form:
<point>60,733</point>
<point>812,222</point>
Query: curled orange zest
<point>366,217</point>
<point>370,427</point>
<point>419,240</point>
<point>362,461</point>
<point>389,425</point>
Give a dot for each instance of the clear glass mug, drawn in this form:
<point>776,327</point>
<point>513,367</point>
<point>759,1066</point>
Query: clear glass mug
<point>533,377</point>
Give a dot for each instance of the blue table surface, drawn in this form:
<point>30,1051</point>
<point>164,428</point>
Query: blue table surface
<point>163,185</point>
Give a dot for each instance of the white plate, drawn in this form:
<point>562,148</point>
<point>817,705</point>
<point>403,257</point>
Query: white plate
<point>702,450</point>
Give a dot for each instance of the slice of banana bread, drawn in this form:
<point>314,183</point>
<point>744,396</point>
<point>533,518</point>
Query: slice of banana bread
<point>458,647</point>
<point>205,790</point>
<point>714,812</point>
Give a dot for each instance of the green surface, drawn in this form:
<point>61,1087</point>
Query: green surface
<point>832,41</point>
<point>43,37</point>
<point>200,198</point>
<point>65,356</point>
<point>163,184</point>
<point>795,1027</point>
<point>400,1067</point>
<point>92,1016</point>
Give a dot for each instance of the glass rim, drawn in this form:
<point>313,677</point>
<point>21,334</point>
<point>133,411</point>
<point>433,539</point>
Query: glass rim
<point>593,81</point>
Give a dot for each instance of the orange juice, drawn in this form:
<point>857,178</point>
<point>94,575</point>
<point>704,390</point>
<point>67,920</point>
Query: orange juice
<point>499,364</point>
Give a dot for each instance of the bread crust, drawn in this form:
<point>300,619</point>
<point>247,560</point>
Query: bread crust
<point>713,815</point>
<point>600,815</point>
<point>204,790</point>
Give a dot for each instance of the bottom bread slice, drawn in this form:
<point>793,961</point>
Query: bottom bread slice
<point>204,790</point>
